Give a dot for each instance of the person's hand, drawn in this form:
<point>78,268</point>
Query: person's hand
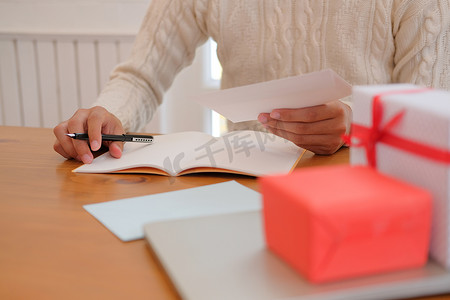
<point>95,122</point>
<point>318,128</point>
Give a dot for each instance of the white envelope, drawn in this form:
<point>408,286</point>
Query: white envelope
<point>245,103</point>
<point>126,217</point>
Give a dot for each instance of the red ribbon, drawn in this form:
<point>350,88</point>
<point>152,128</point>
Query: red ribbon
<point>369,137</point>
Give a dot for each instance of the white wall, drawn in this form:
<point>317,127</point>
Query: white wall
<point>73,16</point>
<point>112,17</point>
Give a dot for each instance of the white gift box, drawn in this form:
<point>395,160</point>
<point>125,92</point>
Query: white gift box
<point>414,147</point>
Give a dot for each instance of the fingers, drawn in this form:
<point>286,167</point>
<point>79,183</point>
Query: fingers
<point>330,110</point>
<point>113,126</point>
<point>94,121</point>
<point>317,128</point>
<point>63,144</point>
<point>115,149</point>
<point>77,124</point>
<point>324,144</point>
<point>59,148</point>
<point>329,126</point>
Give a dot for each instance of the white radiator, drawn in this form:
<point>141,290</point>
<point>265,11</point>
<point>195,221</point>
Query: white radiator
<point>45,78</point>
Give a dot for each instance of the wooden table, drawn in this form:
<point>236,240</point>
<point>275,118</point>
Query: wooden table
<point>51,248</point>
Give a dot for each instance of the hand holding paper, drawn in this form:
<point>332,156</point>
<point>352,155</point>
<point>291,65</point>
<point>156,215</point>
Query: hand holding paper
<point>304,109</point>
<point>317,128</point>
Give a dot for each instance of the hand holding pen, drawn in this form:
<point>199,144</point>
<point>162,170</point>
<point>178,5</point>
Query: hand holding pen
<point>94,122</point>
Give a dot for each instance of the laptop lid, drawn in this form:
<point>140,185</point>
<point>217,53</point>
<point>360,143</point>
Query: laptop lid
<point>225,257</point>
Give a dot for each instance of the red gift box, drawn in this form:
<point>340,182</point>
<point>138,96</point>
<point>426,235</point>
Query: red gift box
<point>338,222</point>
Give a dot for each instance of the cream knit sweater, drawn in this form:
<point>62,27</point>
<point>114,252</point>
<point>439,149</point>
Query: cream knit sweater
<point>365,41</point>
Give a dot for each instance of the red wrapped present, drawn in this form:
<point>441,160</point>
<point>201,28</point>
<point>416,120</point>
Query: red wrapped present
<point>332,223</point>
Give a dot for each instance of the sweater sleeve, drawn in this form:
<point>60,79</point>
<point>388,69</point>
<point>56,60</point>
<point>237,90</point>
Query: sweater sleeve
<point>166,43</point>
<point>421,31</point>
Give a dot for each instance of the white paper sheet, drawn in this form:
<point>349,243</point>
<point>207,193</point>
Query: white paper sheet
<point>126,218</point>
<point>245,103</point>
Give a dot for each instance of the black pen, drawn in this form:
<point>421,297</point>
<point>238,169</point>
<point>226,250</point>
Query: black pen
<point>112,137</point>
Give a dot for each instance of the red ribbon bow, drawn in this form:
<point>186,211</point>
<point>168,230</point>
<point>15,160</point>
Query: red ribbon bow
<point>369,137</point>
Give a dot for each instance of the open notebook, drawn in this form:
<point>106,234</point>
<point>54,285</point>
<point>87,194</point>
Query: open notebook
<point>253,153</point>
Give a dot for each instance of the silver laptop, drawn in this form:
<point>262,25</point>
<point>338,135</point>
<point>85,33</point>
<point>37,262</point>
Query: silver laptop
<point>225,257</point>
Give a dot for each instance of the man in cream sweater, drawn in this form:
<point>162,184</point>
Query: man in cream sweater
<point>366,42</point>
